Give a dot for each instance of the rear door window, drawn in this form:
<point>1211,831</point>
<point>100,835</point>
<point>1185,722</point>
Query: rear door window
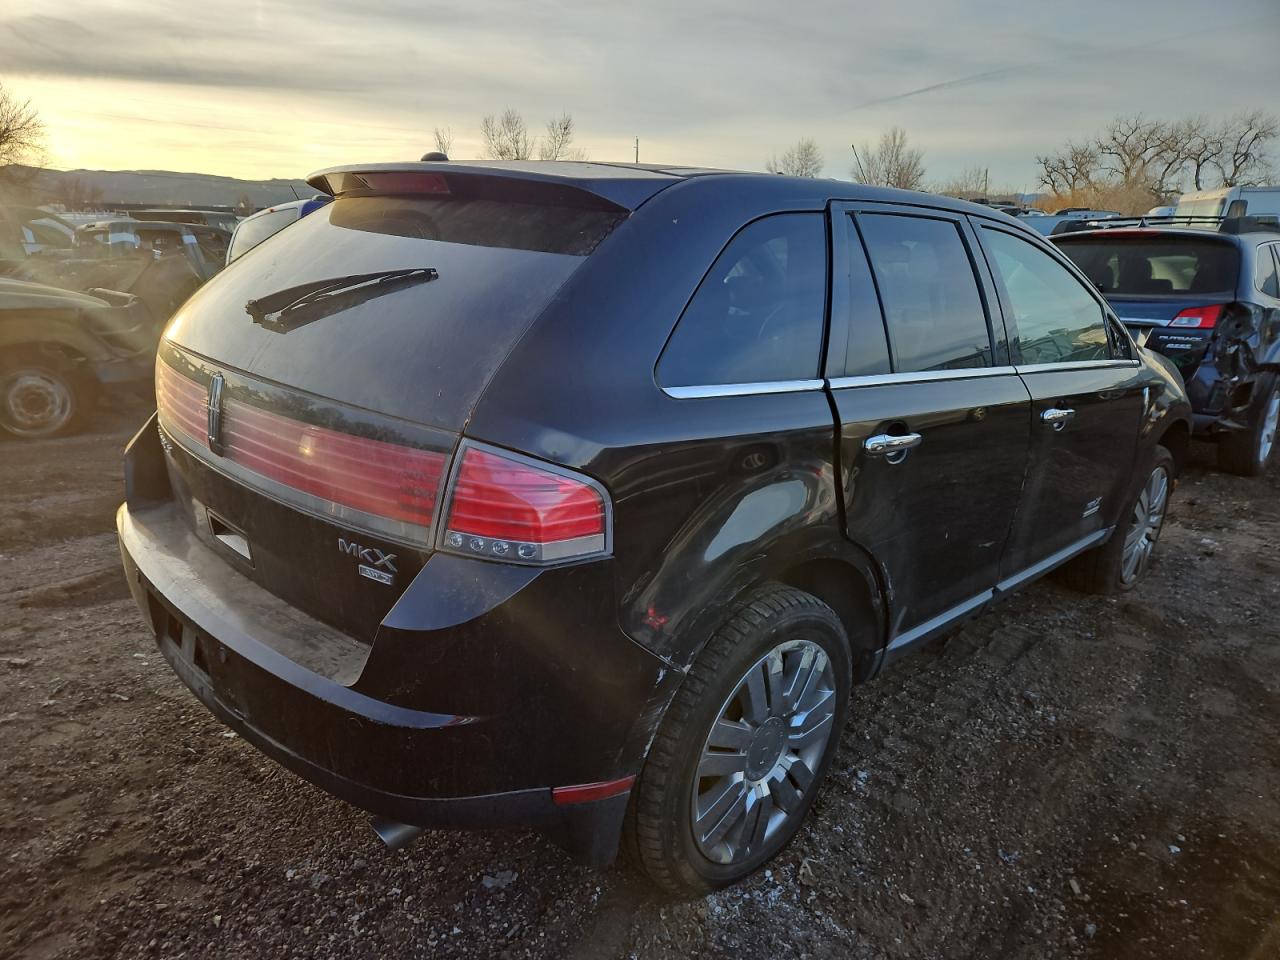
<point>1143,266</point>
<point>1057,320</point>
<point>865,348</point>
<point>929,292</point>
<point>758,315</point>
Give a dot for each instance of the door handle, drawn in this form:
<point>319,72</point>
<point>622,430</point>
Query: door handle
<point>1057,417</point>
<point>893,447</point>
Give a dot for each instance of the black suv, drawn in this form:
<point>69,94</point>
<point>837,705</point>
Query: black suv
<point>1207,296</point>
<point>580,495</point>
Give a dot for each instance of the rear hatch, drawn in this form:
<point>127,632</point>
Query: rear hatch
<point>1169,289</point>
<point>310,426</point>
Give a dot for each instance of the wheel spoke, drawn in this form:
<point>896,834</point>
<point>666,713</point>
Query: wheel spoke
<point>811,726</point>
<point>730,735</point>
<point>755,701</point>
<point>809,679</point>
<point>758,821</point>
<point>785,793</point>
<point>800,774</point>
<point>773,673</point>
<point>717,764</point>
<point>725,811</point>
<point>1131,560</point>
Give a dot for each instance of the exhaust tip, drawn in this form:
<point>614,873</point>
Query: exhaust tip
<point>395,835</point>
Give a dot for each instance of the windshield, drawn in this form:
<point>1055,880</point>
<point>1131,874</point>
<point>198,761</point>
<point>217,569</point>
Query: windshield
<point>1155,267</point>
<point>1204,207</point>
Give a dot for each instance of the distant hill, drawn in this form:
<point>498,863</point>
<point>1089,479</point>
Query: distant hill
<point>166,187</point>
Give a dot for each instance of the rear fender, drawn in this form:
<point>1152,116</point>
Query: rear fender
<point>777,524</point>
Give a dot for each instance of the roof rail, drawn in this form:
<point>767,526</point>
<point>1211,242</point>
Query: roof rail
<point>1262,223</point>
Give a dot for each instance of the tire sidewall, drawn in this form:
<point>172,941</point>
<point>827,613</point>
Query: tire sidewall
<point>815,623</point>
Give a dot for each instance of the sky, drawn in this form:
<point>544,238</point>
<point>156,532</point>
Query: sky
<point>256,89</point>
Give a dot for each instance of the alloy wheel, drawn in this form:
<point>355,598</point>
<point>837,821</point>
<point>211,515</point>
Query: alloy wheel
<point>756,767</point>
<point>1144,528</point>
<point>1270,423</point>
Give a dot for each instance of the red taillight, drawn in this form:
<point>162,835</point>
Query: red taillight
<point>506,507</point>
<point>1199,316</point>
<point>182,404</point>
<point>383,479</point>
<point>386,487</point>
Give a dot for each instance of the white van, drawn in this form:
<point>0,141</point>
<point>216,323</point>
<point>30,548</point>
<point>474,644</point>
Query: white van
<point>1230,202</point>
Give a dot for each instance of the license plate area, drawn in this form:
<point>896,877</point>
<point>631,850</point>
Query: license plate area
<point>230,537</point>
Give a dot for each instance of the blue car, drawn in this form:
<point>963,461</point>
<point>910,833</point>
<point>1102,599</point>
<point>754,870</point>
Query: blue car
<point>1208,299</point>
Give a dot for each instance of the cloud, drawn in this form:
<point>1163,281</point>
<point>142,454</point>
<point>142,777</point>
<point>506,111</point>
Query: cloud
<point>726,82</point>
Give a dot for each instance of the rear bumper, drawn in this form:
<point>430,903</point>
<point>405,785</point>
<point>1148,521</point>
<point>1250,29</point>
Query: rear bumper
<point>569,700</point>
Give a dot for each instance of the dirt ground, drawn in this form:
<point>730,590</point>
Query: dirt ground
<point>1068,777</point>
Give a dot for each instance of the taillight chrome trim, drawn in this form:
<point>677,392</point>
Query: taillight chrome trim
<point>573,550</point>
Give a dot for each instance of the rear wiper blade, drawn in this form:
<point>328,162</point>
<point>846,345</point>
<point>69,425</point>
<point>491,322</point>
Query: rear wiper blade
<point>277,311</point>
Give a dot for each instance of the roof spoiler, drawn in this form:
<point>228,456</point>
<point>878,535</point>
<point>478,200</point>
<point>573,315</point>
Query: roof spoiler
<point>595,187</point>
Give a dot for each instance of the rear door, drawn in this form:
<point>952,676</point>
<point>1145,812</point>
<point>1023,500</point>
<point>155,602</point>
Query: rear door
<point>1087,397</point>
<point>933,419</point>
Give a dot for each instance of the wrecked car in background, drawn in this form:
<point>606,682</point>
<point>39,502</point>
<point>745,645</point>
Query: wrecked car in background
<point>59,347</point>
<point>222,219</point>
<point>28,230</point>
<point>1207,297</point>
<point>73,320</point>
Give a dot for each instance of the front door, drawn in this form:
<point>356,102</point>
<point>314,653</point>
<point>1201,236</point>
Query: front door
<point>933,420</point>
<point>1087,397</point>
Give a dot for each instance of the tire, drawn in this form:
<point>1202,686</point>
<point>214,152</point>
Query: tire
<point>1108,569</point>
<point>1249,452</point>
<point>41,395</point>
<point>761,765</point>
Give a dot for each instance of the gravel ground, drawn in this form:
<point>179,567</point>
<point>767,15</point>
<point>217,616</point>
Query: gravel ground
<point>1068,777</point>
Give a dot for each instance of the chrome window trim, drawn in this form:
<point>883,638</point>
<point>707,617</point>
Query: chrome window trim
<point>882,379</point>
<point>1075,365</point>
<point>919,376</point>
<point>742,389</point>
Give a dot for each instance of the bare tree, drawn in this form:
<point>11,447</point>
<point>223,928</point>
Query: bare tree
<point>1137,162</point>
<point>1246,138</point>
<point>558,142</point>
<point>444,139</point>
<point>892,163</point>
<point>506,137</point>
<point>21,132</point>
<point>1076,167</point>
<point>971,182</point>
<point>1202,146</point>
<point>802,160</point>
